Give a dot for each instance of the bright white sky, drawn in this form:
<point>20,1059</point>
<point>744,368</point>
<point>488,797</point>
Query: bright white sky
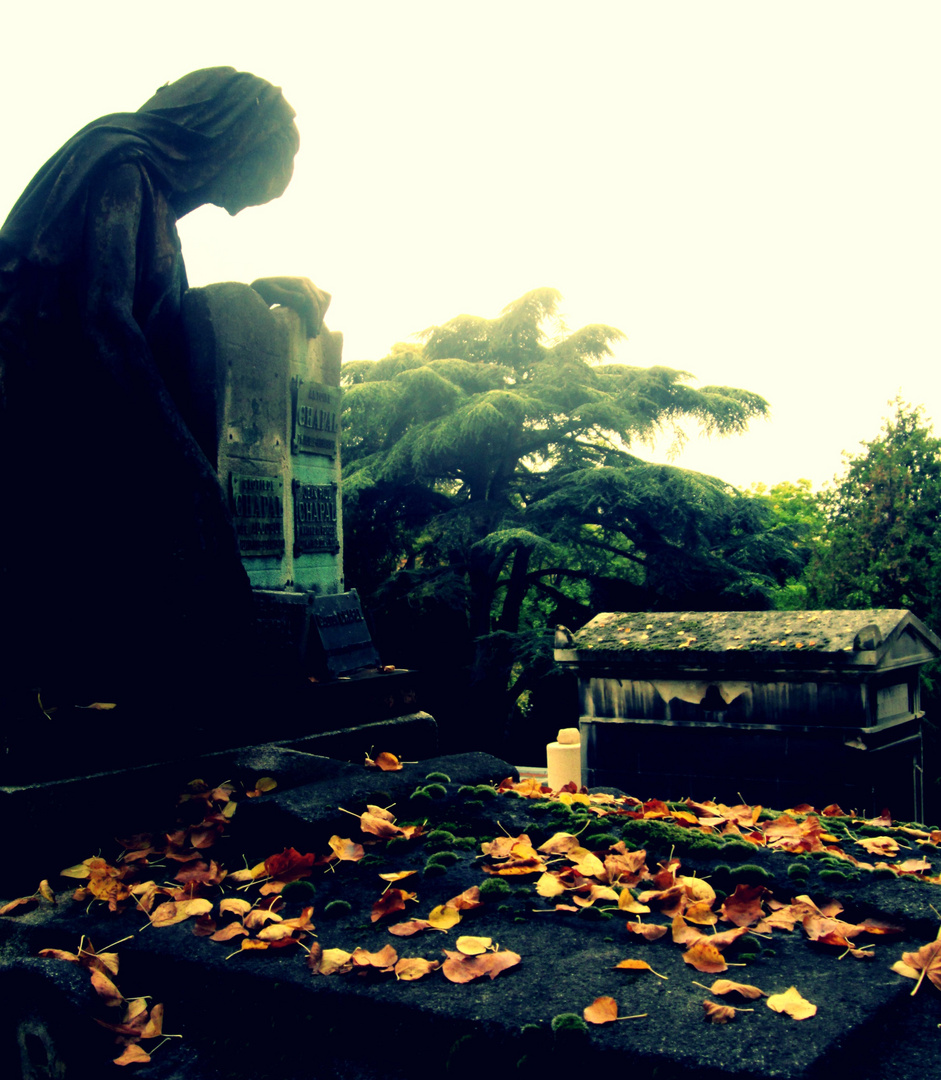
<point>750,191</point>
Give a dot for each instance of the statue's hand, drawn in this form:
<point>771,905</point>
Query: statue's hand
<point>298,293</point>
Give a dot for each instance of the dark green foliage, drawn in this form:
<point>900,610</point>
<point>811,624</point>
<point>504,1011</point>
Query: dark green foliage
<point>336,909</point>
<point>440,838</point>
<point>593,914</point>
<point>494,887</point>
<point>569,1022</point>
<point>881,546</point>
<point>485,791</point>
<point>600,841</point>
<point>489,483</point>
<point>441,777</point>
<point>443,858</point>
<point>835,876</point>
<point>433,791</point>
<point>798,870</point>
<point>302,892</point>
<point>751,872</point>
<point>432,869</point>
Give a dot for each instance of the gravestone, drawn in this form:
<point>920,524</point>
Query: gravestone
<point>267,411</point>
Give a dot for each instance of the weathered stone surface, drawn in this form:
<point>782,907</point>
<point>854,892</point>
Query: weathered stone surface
<point>266,1015</point>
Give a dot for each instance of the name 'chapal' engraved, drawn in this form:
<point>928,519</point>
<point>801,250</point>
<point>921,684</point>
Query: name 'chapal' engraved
<point>258,510</point>
<point>315,518</point>
<point>316,418</point>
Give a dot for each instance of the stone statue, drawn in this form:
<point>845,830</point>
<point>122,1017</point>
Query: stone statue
<point>120,572</point>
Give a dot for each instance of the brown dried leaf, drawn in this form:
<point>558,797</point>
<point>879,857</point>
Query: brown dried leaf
<point>176,911</point>
<point>726,986</point>
<point>20,906</point>
<point>105,988</point>
<point>718,1014</point>
<point>649,931</point>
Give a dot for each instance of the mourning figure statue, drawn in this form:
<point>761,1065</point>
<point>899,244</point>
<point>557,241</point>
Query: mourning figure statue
<point>120,572</point>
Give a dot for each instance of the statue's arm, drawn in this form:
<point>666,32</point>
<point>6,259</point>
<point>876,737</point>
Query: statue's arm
<point>298,293</point>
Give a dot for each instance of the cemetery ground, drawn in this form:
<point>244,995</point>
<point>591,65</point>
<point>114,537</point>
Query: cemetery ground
<point>291,915</point>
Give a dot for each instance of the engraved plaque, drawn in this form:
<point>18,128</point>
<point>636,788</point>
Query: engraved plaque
<point>344,635</point>
<point>315,518</point>
<point>316,414</point>
<point>258,509</point>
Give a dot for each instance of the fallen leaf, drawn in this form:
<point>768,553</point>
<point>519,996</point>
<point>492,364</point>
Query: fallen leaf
<point>792,1003</point>
<point>926,961</point>
<point>133,1055</point>
<point>20,906</point>
<point>704,956</point>
<point>743,907</point>
<point>726,986</point>
<point>391,900</point>
<point>601,1011</point>
<point>443,917</point>
<point>413,926</point>
<point>348,851</point>
<point>638,965</point>
<point>176,911</point>
<point>718,1014</point>
<point>473,946</point>
<point>106,989</point>
<point>459,968</point>
<point>410,968</point>
<point>648,931</point>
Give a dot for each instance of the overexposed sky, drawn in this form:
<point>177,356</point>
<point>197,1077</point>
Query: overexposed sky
<point>750,191</point>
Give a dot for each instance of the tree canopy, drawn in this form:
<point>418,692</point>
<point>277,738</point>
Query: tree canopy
<point>489,471</point>
<point>881,546</point>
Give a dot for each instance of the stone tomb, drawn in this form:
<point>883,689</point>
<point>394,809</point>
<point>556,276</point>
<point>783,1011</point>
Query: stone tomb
<point>784,707</point>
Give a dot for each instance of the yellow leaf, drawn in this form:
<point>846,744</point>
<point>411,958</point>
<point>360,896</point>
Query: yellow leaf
<point>792,1003</point>
<point>473,946</point>
<point>443,917</point>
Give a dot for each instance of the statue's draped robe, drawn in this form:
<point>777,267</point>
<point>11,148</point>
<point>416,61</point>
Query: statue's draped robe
<point>121,577</point>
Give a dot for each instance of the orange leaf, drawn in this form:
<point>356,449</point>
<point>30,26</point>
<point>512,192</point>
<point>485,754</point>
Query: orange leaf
<point>927,961</point>
<point>106,989</point>
<point>792,1003</point>
<point>132,1055</point>
<point>743,907</point>
<point>346,850</point>
<point>176,911</point>
<point>726,986</point>
<point>459,968</point>
<point>413,926</point>
<point>20,906</point>
<point>601,1011</point>
<point>704,956</point>
<point>390,901</point>
<point>410,968</point>
<point>638,965</point>
<point>385,959</point>
<point>649,931</point>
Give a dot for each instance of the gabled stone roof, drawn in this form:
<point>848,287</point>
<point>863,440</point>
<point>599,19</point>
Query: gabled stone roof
<point>869,638</point>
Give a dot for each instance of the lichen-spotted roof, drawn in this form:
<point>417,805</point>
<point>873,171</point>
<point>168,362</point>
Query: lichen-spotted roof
<point>727,631</point>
